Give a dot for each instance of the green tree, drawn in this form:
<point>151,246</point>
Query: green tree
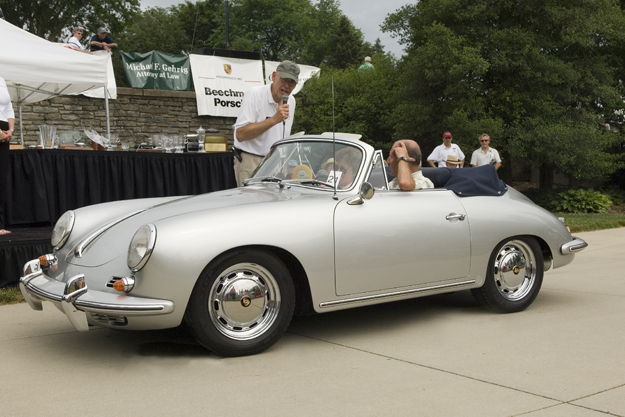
<point>275,29</point>
<point>346,45</point>
<point>540,76</point>
<point>198,20</point>
<point>54,19</point>
<point>140,36</point>
<point>363,102</point>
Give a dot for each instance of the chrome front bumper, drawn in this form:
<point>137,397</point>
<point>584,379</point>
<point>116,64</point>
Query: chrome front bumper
<point>575,245</point>
<point>75,300</point>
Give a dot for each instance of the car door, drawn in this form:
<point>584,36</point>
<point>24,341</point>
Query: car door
<point>400,239</point>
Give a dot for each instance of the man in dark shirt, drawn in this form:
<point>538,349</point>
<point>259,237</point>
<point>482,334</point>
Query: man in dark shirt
<point>102,41</point>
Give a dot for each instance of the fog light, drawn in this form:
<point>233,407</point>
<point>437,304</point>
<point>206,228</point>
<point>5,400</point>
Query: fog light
<point>125,284</point>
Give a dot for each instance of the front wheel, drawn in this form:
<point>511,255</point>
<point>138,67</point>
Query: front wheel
<point>513,277</point>
<point>242,304</point>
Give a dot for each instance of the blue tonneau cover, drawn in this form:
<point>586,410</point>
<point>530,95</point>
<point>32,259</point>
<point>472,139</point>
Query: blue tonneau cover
<point>468,182</point>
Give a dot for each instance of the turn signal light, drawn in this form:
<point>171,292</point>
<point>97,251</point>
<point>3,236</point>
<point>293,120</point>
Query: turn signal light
<point>47,260</point>
<point>124,284</point>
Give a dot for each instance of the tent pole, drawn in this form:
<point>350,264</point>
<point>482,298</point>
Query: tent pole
<point>106,100</point>
<point>21,126</point>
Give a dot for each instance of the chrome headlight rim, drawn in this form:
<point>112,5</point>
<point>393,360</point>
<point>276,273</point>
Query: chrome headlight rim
<point>66,222</point>
<point>149,240</point>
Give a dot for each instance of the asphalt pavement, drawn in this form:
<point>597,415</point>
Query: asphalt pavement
<point>433,356</point>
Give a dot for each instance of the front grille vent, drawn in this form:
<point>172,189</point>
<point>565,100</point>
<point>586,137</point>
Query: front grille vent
<point>110,320</point>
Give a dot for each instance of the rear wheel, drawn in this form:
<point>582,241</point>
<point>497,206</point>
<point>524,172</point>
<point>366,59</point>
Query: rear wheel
<point>514,276</point>
<point>242,304</point>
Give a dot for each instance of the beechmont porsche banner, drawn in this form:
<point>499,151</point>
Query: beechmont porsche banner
<point>157,70</point>
<point>221,82</point>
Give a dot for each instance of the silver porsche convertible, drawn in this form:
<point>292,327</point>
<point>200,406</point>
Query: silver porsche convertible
<point>316,229</point>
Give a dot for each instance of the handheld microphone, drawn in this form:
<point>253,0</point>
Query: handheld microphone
<point>285,99</point>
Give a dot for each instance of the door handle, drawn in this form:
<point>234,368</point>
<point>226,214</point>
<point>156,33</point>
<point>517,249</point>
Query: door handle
<point>455,216</point>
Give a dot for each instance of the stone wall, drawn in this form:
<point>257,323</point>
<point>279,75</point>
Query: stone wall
<point>136,114</point>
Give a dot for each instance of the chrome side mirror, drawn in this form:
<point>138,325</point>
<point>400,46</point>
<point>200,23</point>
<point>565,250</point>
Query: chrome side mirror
<point>366,192</point>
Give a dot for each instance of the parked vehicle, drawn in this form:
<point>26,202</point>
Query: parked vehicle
<point>320,235</point>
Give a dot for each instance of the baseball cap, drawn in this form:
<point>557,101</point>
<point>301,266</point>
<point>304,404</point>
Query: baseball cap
<point>293,163</point>
<point>103,30</point>
<point>447,134</point>
<point>288,69</point>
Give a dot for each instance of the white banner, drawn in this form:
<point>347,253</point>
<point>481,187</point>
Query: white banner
<point>306,72</point>
<point>221,82</point>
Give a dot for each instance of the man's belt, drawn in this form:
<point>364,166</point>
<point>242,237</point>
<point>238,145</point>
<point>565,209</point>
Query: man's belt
<point>238,152</point>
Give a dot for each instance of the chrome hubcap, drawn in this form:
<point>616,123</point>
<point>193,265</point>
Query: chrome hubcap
<point>515,270</point>
<point>244,301</point>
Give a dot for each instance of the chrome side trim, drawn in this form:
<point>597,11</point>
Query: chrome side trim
<point>83,244</point>
<point>575,245</point>
<point>392,294</point>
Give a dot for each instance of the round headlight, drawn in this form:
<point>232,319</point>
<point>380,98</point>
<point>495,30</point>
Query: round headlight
<point>141,247</point>
<point>62,229</point>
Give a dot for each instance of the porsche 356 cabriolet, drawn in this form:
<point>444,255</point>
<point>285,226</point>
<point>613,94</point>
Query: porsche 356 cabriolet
<point>316,229</point>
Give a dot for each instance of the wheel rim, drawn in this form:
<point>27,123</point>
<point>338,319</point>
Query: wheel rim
<point>515,270</point>
<point>244,301</point>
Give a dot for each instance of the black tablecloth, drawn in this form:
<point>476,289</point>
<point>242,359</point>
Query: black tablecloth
<point>46,183</point>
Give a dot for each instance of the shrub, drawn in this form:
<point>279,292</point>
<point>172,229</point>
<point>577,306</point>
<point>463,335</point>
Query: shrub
<point>617,195</point>
<point>542,197</point>
<point>582,201</point>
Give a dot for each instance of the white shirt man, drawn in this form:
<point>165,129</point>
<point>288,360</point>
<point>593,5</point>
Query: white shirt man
<point>441,154</point>
<point>485,155</point>
<point>264,119</point>
<point>74,41</point>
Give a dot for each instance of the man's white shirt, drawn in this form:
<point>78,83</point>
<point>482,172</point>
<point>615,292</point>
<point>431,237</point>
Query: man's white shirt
<point>441,152</point>
<point>480,158</point>
<point>258,105</point>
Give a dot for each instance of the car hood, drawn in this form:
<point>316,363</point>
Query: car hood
<point>114,240</point>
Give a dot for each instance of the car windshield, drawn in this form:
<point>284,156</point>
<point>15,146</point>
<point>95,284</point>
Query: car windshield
<point>312,163</point>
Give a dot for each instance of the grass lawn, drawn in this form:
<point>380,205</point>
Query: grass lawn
<point>589,222</point>
<point>576,222</point>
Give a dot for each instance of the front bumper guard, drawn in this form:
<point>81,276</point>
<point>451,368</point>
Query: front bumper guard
<point>575,245</point>
<point>75,300</point>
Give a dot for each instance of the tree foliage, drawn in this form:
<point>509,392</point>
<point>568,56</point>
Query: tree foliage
<point>140,36</point>
<point>542,77</point>
<point>54,19</point>
<point>363,102</point>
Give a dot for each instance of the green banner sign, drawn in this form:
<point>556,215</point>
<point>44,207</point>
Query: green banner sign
<point>157,70</point>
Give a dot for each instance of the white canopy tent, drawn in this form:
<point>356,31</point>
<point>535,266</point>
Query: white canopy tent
<point>36,69</point>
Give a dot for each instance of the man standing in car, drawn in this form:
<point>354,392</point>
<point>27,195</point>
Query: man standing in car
<point>264,119</point>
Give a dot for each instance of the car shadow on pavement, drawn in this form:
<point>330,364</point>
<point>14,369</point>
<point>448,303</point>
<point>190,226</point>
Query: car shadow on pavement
<point>387,316</point>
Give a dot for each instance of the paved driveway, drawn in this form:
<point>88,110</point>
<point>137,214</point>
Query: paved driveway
<point>434,356</point>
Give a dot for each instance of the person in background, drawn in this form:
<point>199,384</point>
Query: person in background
<point>447,155</point>
<point>102,41</point>
<point>74,41</point>
<point>290,167</point>
<point>367,65</point>
<point>264,119</point>
<point>404,160</point>
<point>485,155</point>
<point>7,124</point>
